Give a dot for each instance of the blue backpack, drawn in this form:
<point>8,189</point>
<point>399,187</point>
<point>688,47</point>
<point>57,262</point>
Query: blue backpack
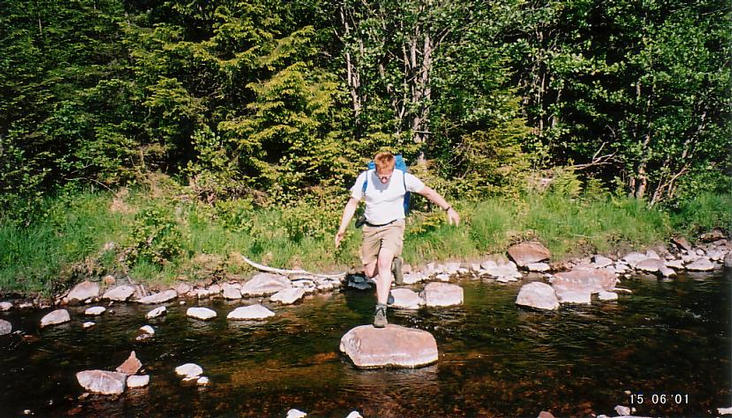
<point>399,164</point>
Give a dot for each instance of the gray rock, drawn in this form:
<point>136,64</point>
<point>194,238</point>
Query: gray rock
<point>724,411</point>
<point>160,310</point>
<point>689,258</point>
<point>138,381</point>
<point>584,280</point>
<point>682,243</point>
<point>573,296</point>
<point>443,277</point>
<point>702,264</point>
<point>161,297</point>
<point>650,265</point>
<point>406,299</point>
<point>5,306</point>
<point>713,235</point>
<point>119,293</point>
<point>5,327</point>
<point>538,267</point>
<point>728,260</point>
<point>183,289</point>
<point>666,271</point>
<point>231,292</point>
<point>601,261</point>
<point>288,296</point>
<point>652,254</point>
<point>506,270</point>
<point>622,410</point>
<point>95,310</point>
<point>537,295</point>
<point>102,381</point>
<point>295,413</point>
<point>604,295</point>
<point>83,291</point>
<point>392,346</point>
<point>354,414</point>
<point>203,314</point>
<point>59,316</point>
<point>442,294</point>
<point>147,329</point>
<point>265,284</point>
<point>633,258</point>
<point>528,252</point>
<point>189,370</point>
<point>250,312</point>
<point>130,366</point>
<point>415,277</point>
<point>715,255</point>
<point>203,381</point>
<point>675,264</point>
<point>88,324</point>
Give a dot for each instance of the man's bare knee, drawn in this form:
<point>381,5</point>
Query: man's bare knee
<point>384,261</point>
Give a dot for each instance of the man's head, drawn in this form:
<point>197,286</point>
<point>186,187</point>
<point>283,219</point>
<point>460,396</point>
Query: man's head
<point>384,162</point>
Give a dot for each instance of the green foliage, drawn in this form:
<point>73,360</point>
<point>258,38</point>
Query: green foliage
<point>702,213</point>
<point>155,237</point>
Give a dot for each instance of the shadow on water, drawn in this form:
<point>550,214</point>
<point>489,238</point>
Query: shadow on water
<point>496,359</point>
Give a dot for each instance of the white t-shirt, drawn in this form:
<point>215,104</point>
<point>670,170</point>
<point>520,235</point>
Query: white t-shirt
<point>385,202</point>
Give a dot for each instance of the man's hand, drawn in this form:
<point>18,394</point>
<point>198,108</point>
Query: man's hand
<point>453,218</point>
<point>339,237</point>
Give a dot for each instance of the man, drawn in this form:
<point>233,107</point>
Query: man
<point>383,232</point>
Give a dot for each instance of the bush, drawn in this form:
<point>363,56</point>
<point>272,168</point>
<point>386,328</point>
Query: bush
<point>156,237</point>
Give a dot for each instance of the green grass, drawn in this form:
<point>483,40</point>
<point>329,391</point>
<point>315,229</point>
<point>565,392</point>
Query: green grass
<point>66,245</point>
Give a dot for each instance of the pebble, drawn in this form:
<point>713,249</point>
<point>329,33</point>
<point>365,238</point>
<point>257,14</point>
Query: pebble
<point>88,324</point>
<point>147,329</point>
<point>295,413</point>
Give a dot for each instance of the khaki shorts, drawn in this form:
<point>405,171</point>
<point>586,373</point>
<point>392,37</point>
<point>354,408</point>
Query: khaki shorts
<point>375,238</point>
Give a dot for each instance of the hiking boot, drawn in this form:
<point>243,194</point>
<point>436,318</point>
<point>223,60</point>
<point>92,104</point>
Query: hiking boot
<point>396,270</point>
<point>380,316</point>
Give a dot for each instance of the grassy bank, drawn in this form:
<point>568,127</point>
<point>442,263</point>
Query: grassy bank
<point>160,238</point>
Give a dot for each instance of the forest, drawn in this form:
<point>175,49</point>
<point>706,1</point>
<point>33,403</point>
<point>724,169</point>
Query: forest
<point>245,106</point>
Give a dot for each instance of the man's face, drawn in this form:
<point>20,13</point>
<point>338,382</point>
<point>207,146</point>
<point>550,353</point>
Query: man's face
<point>384,176</point>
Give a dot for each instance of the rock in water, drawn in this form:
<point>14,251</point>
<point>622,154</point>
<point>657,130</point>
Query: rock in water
<point>119,293</point>
<point>250,312</point>
<point>650,265</point>
<point>203,314</point>
<point>442,294</point>
<point>528,252</point>
<point>59,316</point>
<point>393,346</point>
<point>138,381</point>
<point>406,299</point>
<point>161,310</point>
<point>295,413</point>
<point>83,291</point>
<point>5,306</point>
<point>189,370</point>
<point>130,366</point>
<point>537,295</point>
<point>161,297</point>
<point>102,381</point>
<point>586,280</point>
<point>95,310</point>
<point>231,292</point>
<point>288,296</point>
<point>5,327</point>
<point>702,264</point>
<point>265,284</point>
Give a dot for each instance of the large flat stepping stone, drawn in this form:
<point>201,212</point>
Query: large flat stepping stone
<point>243,313</point>
<point>584,280</point>
<point>102,381</point>
<point>83,291</point>
<point>392,346</point>
<point>406,299</point>
<point>119,293</point>
<point>201,313</point>
<point>265,284</point>
<point>537,295</point>
<point>288,296</point>
<point>442,294</point>
<point>59,316</point>
<point>527,253</point>
<point>161,297</point>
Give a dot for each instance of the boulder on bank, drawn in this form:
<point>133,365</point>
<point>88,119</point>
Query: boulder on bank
<point>537,295</point>
<point>5,327</point>
<point>201,313</point>
<point>527,253</point>
<point>392,346</point>
<point>102,381</point>
<point>59,316</point>
<point>682,243</point>
<point>265,284</point>
<point>160,297</point>
<point>231,292</point>
<point>250,312</point>
<point>119,293</point>
<point>82,291</point>
<point>442,294</point>
<point>406,299</point>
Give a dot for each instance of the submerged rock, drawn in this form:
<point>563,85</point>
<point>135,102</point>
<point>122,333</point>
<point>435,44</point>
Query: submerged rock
<point>203,314</point>
<point>102,381</point>
<point>250,312</point>
<point>83,291</point>
<point>5,327</point>
<point>189,370</point>
<point>119,293</point>
<point>406,299</point>
<point>59,316</point>
<point>138,381</point>
<point>442,294</point>
<point>161,310</point>
<point>161,297</point>
<point>265,284</point>
<point>288,296</point>
<point>131,365</point>
<point>527,253</point>
<point>392,346</point>
<point>537,295</point>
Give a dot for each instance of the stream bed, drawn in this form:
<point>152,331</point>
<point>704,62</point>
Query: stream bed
<point>668,341</point>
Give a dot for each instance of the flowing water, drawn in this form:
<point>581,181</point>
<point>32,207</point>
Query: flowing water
<point>668,338</point>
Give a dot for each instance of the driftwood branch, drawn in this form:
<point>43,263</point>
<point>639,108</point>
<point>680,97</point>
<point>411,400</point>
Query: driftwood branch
<point>286,272</point>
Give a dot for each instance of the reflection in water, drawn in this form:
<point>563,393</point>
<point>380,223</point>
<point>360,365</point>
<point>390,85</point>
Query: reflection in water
<point>496,359</point>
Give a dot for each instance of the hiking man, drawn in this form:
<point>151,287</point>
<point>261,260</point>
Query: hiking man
<point>384,188</point>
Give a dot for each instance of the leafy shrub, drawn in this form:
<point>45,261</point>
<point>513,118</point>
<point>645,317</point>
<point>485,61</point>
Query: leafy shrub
<point>156,237</point>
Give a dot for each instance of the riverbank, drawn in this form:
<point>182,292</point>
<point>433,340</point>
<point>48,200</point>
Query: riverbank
<point>162,235</point>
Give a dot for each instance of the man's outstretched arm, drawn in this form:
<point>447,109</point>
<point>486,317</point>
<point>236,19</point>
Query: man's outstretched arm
<point>348,212</point>
<point>452,216</point>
